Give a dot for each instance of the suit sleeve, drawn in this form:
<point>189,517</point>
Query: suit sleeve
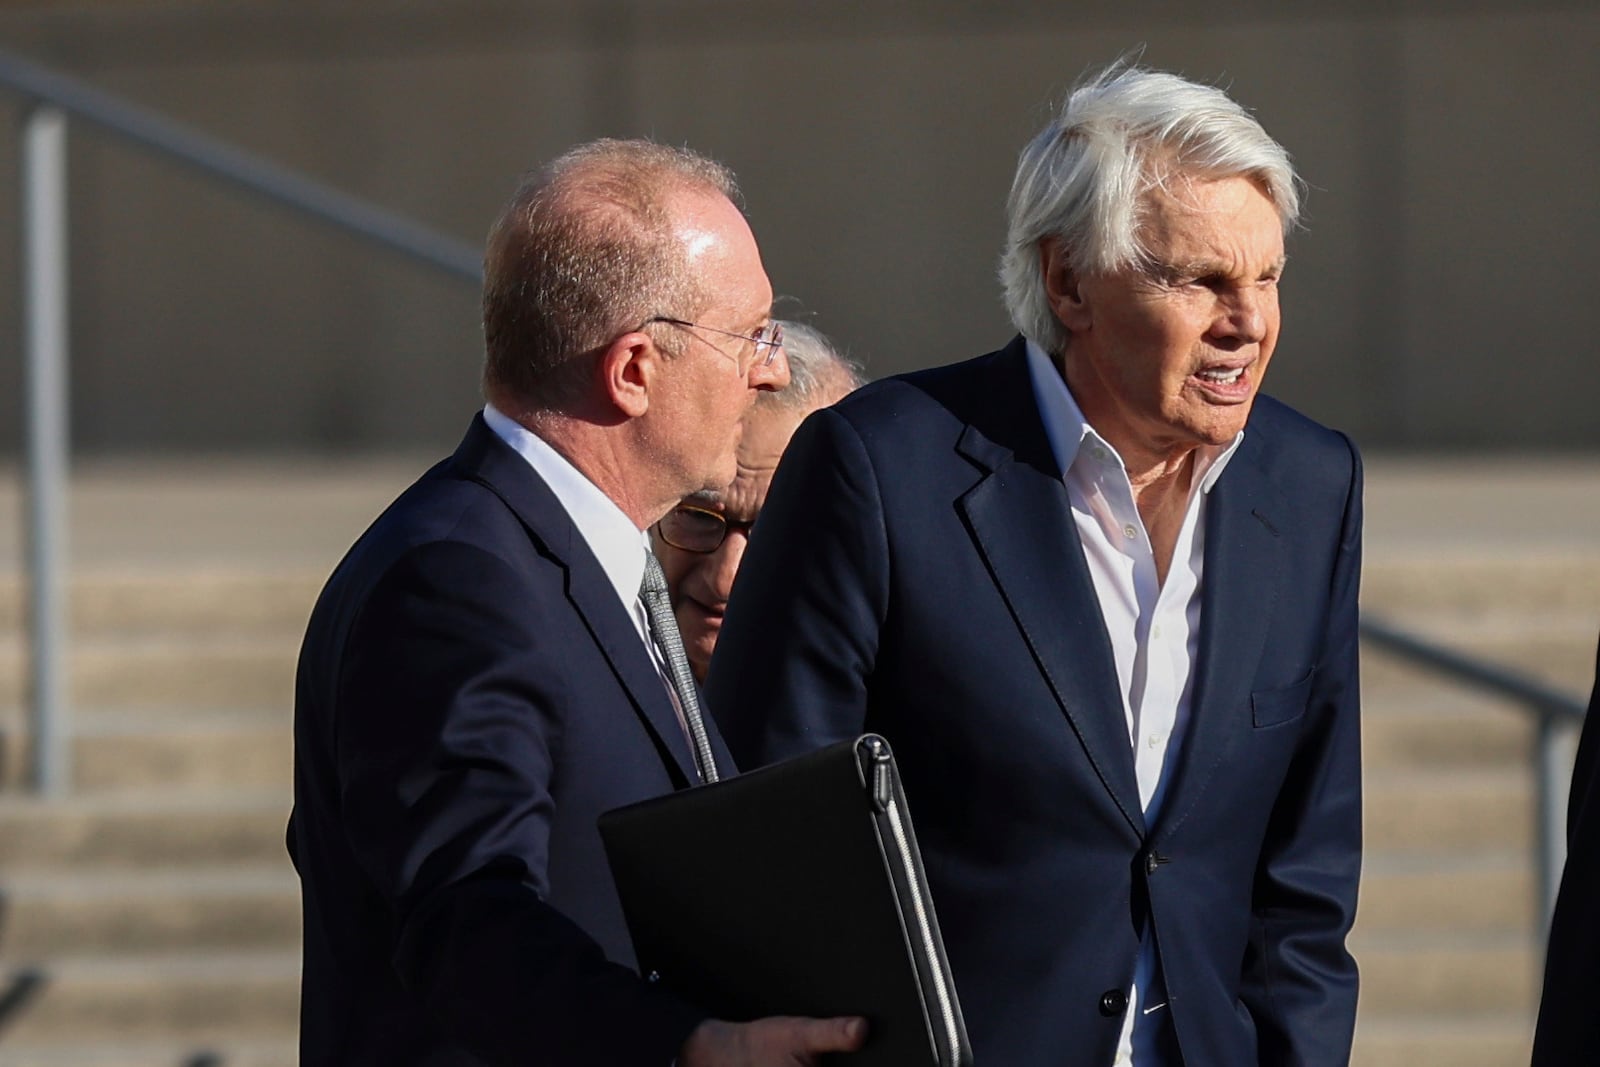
<point>1299,979</point>
<point>1567,1030</point>
<point>451,696</point>
<point>790,669</point>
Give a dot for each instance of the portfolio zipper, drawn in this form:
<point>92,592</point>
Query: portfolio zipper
<point>883,800</point>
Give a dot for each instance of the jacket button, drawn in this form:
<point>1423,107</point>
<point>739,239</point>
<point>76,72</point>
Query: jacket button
<point>1113,1002</point>
<point>1154,860</point>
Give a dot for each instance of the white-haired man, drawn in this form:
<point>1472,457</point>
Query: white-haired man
<point>702,540</point>
<point>1100,596</point>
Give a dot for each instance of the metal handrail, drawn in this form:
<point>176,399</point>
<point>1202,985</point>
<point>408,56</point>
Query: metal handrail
<point>50,97</point>
<point>244,169</point>
<point>1503,681</point>
<point>1558,717</point>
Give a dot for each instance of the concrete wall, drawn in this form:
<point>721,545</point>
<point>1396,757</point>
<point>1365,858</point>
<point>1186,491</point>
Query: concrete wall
<point>1440,298</point>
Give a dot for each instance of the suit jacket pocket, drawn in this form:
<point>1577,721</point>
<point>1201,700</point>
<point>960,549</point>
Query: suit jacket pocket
<point>1272,707</point>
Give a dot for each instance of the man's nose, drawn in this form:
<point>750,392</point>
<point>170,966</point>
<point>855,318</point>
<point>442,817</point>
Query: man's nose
<point>725,563</point>
<point>1242,315</point>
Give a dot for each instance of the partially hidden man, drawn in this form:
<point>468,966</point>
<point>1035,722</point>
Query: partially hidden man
<point>494,663</point>
<point>1100,596</point>
<point>701,541</point>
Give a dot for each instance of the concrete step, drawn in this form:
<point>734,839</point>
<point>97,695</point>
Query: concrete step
<point>239,600</point>
<point>1442,732</point>
<point>283,1052</point>
<point>195,670</point>
<point>143,829</point>
<point>1528,583</point>
<point>1464,896</point>
<point>245,597</point>
<point>1410,976</point>
<point>1486,1040</point>
<point>238,751</point>
<point>168,748</point>
<point>1423,813</point>
<point>188,998</point>
<point>234,908</point>
<point>200,511</point>
<point>1558,652</point>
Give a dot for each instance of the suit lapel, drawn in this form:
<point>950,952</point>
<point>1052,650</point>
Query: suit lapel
<point>1021,521</point>
<point>1243,568</point>
<point>483,457</point>
<point>596,602</point>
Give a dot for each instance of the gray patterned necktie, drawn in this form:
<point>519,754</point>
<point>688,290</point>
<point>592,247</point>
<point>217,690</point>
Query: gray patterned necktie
<point>664,628</point>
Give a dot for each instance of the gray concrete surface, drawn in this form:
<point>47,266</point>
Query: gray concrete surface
<point>296,513</point>
<point>1440,508</point>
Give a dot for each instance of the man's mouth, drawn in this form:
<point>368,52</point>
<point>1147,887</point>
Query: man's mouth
<point>1220,375</point>
<point>1227,383</point>
<point>711,615</point>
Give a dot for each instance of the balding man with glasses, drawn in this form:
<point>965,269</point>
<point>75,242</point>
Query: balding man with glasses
<point>701,541</point>
<point>495,661</point>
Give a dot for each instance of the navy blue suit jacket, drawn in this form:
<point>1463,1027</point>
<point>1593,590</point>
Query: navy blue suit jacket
<point>471,695</point>
<point>1568,1034</point>
<point>917,572</point>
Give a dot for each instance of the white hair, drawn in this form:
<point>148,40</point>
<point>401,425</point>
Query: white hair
<point>819,374</point>
<point>1085,177</point>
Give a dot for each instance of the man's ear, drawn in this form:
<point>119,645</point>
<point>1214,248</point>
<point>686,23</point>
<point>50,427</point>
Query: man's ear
<point>1061,285</point>
<point>628,368</point>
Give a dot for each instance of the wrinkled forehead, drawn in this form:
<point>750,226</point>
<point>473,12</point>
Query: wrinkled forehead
<point>742,500</point>
<point>1169,183</point>
<point>1207,222</point>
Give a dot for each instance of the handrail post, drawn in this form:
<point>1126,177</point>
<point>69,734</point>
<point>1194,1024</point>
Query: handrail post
<point>44,302</point>
<point>1552,764</point>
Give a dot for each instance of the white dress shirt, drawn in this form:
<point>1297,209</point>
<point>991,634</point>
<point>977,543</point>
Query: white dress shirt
<point>1154,626</point>
<point>616,542</point>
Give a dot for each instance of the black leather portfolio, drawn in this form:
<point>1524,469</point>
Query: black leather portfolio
<point>796,889</point>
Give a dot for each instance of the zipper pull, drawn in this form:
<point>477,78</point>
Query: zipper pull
<point>881,793</point>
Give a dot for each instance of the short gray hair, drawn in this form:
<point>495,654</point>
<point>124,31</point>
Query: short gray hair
<point>1085,178</point>
<point>583,252</point>
<point>819,373</point>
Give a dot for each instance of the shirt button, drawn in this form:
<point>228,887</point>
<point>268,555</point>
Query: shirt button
<point>1129,531</point>
<point>1113,1002</point>
<point>1155,632</point>
<point>1155,740</point>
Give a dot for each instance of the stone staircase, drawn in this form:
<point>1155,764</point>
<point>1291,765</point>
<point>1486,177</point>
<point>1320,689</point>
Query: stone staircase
<point>1448,933</point>
<point>152,917</point>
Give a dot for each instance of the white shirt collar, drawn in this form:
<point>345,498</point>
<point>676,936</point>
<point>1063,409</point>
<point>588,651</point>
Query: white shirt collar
<point>1066,428</point>
<point>616,542</point>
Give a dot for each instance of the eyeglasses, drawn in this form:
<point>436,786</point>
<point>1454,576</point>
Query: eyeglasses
<point>697,529</point>
<point>769,337</point>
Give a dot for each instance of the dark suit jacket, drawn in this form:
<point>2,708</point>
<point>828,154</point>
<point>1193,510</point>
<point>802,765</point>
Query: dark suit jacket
<point>471,695</point>
<point>917,572</point>
<point>1568,1034</point>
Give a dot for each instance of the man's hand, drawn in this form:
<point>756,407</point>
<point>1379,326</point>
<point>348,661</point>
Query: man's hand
<point>781,1041</point>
